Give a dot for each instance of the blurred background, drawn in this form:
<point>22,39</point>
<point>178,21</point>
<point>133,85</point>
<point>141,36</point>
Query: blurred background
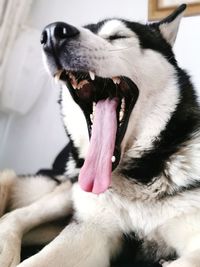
<point>31,131</point>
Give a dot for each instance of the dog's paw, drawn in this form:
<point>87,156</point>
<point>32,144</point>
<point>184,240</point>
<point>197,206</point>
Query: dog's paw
<point>182,262</point>
<point>10,247</point>
<point>164,263</point>
<point>6,177</point>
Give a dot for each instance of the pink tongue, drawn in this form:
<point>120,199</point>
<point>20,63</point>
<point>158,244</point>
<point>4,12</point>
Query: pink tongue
<point>95,175</point>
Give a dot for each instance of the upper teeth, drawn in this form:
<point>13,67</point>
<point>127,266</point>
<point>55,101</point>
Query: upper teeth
<point>81,84</point>
<point>76,85</point>
<point>122,110</point>
<point>92,75</point>
<point>116,80</point>
<point>73,81</point>
<point>58,74</point>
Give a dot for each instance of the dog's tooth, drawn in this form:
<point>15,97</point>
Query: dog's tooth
<point>72,77</point>
<point>73,81</point>
<point>57,76</point>
<point>92,75</point>
<point>116,80</point>
<point>92,117</point>
<point>93,108</point>
<point>74,85</point>
<point>82,83</point>
<point>93,112</point>
<point>113,159</point>
<point>123,104</point>
<point>121,115</point>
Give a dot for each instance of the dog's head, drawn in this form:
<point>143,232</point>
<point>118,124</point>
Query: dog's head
<point>112,69</point>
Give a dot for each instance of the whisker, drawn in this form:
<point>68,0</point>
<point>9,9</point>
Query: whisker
<point>120,49</point>
<point>109,50</point>
<point>126,60</point>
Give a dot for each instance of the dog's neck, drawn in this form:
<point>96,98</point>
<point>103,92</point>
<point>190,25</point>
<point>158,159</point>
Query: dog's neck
<point>154,108</point>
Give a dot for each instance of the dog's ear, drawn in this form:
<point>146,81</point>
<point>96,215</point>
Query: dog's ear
<point>169,26</point>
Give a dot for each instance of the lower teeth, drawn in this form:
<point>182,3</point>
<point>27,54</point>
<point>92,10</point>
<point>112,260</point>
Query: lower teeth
<point>122,110</point>
<point>113,159</point>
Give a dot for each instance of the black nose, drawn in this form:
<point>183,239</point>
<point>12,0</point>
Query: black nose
<point>54,34</point>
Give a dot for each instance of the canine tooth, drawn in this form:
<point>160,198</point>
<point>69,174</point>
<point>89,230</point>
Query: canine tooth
<point>116,80</point>
<point>113,159</point>
<point>57,76</point>
<point>92,75</point>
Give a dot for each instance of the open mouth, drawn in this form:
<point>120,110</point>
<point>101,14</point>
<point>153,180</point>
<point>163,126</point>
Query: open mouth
<point>107,104</point>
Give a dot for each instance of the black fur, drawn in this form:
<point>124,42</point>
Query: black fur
<point>180,127</point>
<point>58,167</point>
<point>149,36</point>
<point>173,15</point>
<point>185,121</point>
<point>72,149</point>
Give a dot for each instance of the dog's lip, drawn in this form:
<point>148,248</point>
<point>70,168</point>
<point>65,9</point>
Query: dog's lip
<point>82,90</point>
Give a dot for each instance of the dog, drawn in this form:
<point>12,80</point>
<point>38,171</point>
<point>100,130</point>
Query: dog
<point>133,119</point>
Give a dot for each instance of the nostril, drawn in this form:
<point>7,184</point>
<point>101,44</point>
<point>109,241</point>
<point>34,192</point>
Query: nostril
<point>63,31</point>
<point>60,32</point>
<point>44,37</point>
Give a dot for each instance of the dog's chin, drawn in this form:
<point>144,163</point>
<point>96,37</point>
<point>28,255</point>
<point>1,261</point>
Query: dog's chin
<point>87,90</point>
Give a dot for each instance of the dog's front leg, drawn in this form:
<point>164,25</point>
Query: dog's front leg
<point>14,224</point>
<point>78,245</point>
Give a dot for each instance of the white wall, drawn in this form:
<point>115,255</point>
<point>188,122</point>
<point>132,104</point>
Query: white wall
<point>86,11</point>
<point>187,48</point>
<point>30,128</point>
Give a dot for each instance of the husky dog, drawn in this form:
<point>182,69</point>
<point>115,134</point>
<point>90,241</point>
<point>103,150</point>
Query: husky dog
<point>134,122</point>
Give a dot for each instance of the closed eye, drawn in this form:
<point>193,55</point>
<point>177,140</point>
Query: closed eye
<point>115,37</point>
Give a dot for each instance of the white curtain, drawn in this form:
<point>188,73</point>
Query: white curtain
<point>12,16</point>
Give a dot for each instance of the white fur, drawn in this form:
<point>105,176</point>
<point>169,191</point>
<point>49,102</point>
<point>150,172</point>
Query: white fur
<point>71,115</point>
<point>185,167</point>
<point>71,170</point>
<point>54,205</point>
<point>114,27</point>
<point>7,179</point>
<point>170,30</point>
<point>158,213</point>
<point>80,245</point>
<point>27,190</point>
<point>175,221</point>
